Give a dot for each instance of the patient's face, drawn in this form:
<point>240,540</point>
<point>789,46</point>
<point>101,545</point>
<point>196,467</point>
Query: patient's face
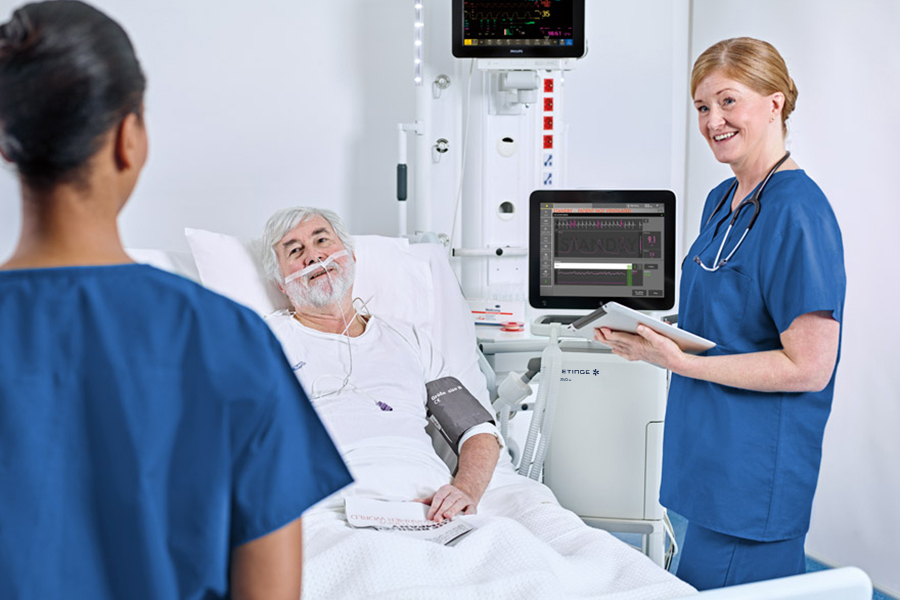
<point>311,242</point>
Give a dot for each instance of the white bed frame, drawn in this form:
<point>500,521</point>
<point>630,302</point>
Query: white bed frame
<point>848,583</point>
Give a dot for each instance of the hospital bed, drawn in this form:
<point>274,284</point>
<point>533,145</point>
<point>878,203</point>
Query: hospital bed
<point>525,544</point>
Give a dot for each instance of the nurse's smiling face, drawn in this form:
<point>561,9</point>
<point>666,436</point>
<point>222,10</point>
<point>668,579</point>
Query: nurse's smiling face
<point>737,122</point>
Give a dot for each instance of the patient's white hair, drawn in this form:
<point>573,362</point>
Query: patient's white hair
<point>284,221</point>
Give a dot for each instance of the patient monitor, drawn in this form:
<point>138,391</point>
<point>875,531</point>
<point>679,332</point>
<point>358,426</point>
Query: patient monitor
<point>548,34</point>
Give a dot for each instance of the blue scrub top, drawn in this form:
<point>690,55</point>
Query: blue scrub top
<point>147,427</point>
<point>740,462</point>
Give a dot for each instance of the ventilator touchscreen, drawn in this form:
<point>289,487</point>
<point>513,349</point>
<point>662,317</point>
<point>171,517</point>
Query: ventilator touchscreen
<point>591,247</point>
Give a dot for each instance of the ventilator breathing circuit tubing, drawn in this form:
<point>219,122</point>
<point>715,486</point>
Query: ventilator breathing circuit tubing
<point>515,388</point>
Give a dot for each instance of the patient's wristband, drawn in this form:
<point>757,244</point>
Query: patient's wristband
<point>454,410</point>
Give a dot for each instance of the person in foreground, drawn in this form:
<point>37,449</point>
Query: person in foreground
<point>368,377</point>
<point>745,421</point>
<point>154,442</point>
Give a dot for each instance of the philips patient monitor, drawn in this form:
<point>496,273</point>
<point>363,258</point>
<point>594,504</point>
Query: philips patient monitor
<point>590,247</point>
<point>535,29</point>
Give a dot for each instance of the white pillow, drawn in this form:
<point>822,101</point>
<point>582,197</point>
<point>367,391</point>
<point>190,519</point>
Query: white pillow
<point>391,280</point>
<point>453,330</point>
<point>180,263</point>
<point>231,266</point>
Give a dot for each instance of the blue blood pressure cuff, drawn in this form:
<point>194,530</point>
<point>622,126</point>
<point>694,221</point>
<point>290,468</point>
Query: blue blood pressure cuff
<point>453,409</point>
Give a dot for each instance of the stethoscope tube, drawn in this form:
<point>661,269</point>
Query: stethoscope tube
<point>754,200</point>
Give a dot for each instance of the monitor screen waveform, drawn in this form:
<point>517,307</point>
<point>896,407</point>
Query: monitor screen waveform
<point>621,277</point>
<point>596,244</point>
<point>592,223</point>
<point>524,20</point>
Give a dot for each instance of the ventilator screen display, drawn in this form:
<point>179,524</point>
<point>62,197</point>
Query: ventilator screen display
<point>523,28</point>
<point>590,247</point>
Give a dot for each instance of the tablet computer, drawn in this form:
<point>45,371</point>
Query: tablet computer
<point>621,318</point>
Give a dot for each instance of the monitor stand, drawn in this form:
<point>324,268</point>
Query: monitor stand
<point>541,324</point>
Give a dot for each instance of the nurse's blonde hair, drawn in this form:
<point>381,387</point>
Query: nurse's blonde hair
<point>754,63</point>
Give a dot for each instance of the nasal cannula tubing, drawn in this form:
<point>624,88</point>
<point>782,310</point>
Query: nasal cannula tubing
<point>356,313</point>
<point>322,264</point>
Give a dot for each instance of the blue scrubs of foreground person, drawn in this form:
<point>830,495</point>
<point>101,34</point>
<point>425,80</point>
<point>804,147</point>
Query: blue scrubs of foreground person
<point>154,442</point>
<point>745,421</point>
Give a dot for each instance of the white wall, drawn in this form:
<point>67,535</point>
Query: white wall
<point>845,59</point>
<point>626,102</point>
<point>253,106</point>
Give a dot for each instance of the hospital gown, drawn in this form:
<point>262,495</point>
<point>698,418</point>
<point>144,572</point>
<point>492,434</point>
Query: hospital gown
<point>147,427</point>
<point>389,452</point>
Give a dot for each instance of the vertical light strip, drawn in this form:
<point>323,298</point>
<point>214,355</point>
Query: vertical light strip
<point>418,42</point>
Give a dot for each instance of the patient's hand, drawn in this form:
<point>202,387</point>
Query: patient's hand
<point>449,501</point>
<point>477,459</point>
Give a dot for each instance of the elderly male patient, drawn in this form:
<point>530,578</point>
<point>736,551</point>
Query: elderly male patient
<point>366,375</point>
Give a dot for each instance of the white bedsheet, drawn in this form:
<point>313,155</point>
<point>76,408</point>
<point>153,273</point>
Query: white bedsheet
<point>525,546</point>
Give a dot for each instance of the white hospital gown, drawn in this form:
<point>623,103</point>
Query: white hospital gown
<point>389,453</point>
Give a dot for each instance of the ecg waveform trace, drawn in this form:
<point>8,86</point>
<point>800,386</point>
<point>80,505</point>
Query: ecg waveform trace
<point>595,223</point>
<point>595,237</point>
<point>523,19</point>
<point>598,244</point>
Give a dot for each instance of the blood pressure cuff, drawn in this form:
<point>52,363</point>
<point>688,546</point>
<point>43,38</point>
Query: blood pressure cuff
<point>453,409</point>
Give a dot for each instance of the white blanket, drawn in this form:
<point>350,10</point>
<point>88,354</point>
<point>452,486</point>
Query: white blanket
<point>525,546</point>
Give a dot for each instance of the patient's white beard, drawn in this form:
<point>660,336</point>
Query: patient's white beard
<point>328,288</point>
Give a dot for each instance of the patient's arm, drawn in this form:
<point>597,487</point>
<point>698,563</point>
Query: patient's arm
<point>477,460</point>
<point>269,567</point>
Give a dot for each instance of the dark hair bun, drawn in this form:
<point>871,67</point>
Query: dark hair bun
<point>14,35</point>
<point>68,74</point>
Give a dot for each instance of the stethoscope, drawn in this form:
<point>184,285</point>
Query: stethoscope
<point>754,200</point>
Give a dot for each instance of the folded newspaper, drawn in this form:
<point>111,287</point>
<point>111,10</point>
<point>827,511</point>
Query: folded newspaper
<point>407,518</point>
